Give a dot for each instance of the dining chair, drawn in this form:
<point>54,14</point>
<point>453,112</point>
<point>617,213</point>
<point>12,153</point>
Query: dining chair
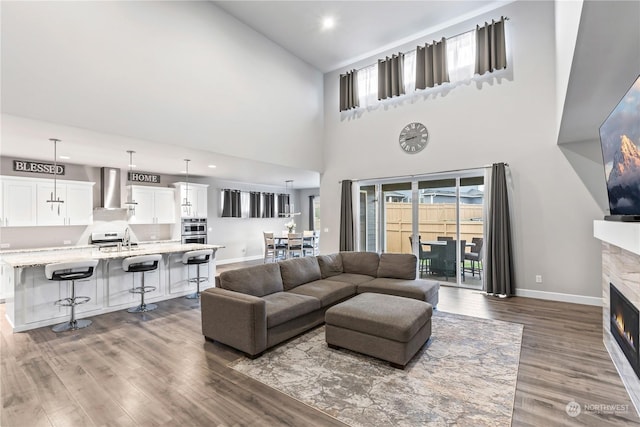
<point>295,245</point>
<point>424,257</point>
<point>310,245</point>
<point>475,256</point>
<point>444,238</point>
<point>273,250</point>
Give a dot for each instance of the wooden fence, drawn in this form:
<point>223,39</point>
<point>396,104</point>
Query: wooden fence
<point>433,220</point>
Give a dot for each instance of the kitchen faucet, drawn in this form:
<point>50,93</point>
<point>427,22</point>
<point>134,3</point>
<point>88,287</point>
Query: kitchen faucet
<point>127,238</point>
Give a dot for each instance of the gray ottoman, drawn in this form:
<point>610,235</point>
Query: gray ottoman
<point>388,327</point>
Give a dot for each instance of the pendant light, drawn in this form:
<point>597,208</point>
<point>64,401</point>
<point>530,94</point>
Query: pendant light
<point>186,204</point>
<point>288,207</point>
<point>131,204</point>
<point>54,199</point>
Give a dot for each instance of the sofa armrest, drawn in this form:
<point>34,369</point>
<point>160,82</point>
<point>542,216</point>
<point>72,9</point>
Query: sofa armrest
<point>235,319</point>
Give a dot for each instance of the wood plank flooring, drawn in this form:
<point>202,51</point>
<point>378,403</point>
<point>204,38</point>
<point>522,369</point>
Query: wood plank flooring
<point>155,369</point>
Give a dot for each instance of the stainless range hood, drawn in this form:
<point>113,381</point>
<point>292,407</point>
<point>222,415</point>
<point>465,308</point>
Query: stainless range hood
<point>110,189</point>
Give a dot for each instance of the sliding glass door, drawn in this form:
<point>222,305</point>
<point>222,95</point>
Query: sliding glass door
<point>437,217</point>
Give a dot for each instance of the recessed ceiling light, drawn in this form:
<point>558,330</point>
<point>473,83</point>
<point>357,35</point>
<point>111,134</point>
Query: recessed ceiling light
<point>328,22</point>
<point>65,157</point>
<point>183,171</point>
<point>132,166</point>
<point>212,166</point>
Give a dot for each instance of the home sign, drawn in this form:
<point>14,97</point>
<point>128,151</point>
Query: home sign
<point>144,177</point>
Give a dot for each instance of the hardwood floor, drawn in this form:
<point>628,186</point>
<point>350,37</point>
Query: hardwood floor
<point>155,369</point>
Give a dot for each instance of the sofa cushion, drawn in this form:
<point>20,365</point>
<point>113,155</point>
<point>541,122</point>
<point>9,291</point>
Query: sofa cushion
<point>327,291</point>
<point>397,266</point>
<point>330,265</point>
<point>354,279</point>
<point>284,306</point>
<point>297,271</point>
<point>424,290</point>
<point>258,280</point>
<point>360,263</point>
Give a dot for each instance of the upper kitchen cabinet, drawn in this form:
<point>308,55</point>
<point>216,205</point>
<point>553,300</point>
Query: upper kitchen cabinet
<point>18,202</point>
<point>194,196</point>
<point>155,205</point>
<point>24,202</point>
<point>77,208</point>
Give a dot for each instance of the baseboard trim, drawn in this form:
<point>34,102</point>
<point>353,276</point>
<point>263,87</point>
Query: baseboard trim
<point>556,296</point>
<point>233,260</point>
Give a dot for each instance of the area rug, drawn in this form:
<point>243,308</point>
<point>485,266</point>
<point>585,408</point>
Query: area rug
<point>464,376</point>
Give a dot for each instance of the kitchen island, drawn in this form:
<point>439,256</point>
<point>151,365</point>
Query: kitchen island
<point>30,297</point>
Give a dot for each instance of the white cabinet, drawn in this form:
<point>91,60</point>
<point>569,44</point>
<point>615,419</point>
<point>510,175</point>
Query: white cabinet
<point>77,208</point>
<point>155,205</point>
<point>196,194</point>
<point>24,202</point>
<point>18,202</point>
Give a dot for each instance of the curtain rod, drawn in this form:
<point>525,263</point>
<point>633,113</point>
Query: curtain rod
<point>506,18</point>
<point>422,175</point>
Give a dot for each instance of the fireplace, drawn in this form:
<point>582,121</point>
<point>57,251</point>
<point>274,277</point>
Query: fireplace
<point>625,326</point>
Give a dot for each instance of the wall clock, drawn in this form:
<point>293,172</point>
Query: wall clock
<point>413,138</point>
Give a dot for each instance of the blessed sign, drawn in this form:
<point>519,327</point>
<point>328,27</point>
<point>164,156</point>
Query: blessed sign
<point>37,167</point>
<point>144,177</point>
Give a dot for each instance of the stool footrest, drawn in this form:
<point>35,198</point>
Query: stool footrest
<point>69,302</point>
<point>142,289</point>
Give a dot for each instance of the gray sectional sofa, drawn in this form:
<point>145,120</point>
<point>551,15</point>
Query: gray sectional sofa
<point>254,308</point>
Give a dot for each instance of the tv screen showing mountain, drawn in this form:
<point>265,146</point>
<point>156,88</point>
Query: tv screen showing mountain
<point>620,140</point>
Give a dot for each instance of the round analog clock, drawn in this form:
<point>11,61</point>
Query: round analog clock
<point>413,138</point>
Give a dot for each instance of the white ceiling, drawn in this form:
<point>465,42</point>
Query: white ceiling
<point>363,28</point>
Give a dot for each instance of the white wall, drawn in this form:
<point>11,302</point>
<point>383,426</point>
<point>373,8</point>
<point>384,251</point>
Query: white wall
<point>182,72</point>
<point>511,118</point>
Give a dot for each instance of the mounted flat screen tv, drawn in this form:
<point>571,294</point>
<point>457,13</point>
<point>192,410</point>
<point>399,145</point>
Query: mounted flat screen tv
<point>620,141</point>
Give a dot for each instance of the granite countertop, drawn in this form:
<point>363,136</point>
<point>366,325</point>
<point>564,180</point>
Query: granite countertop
<point>39,257</point>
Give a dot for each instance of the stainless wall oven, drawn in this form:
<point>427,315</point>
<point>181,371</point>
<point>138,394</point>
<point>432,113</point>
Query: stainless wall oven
<point>194,230</point>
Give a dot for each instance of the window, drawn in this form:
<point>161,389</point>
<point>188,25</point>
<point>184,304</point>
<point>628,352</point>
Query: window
<point>368,86</point>
<point>461,56</point>
<point>316,213</point>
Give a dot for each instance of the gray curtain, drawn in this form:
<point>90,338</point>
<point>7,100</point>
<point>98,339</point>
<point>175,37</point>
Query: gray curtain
<point>311,217</point>
<point>346,218</point>
<point>391,76</point>
<point>231,204</point>
<point>491,53</point>
<point>268,207</point>
<point>498,262</point>
<point>431,64</point>
<point>254,204</point>
<point>349,90</point>
<point>283,202</point>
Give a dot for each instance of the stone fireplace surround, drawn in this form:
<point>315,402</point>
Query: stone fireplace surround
<point>621,267</point>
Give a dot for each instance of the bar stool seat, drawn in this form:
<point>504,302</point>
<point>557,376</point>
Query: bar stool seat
<point>141,264</point>
<point>71,271</point>
<point>197,258</point>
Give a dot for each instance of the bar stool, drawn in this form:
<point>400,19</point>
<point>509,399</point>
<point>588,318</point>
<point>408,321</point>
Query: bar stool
<point>141,264</point>
<point>65,271</point>
<point>196,258</point>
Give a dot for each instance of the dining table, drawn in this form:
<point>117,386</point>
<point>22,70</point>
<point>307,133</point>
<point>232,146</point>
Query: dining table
<point>438,264</point>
